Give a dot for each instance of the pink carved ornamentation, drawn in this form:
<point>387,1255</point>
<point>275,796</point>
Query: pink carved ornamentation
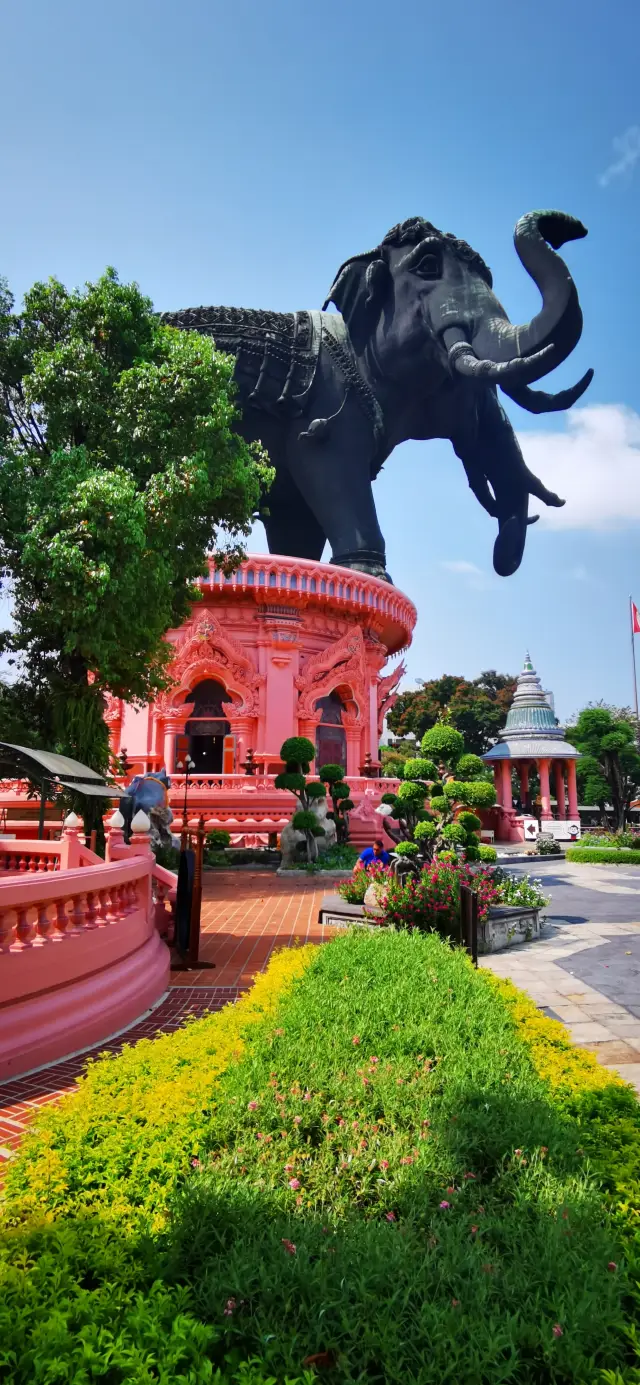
<point>340,665</point>
<point>387,692</point>
<point>205,651</point>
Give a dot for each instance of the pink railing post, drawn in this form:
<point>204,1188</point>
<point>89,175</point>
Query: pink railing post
<point>70,845</point>
<point>114,835</point>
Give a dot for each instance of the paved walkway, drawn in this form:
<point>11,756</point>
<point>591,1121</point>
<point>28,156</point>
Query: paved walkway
<point>585,970</point>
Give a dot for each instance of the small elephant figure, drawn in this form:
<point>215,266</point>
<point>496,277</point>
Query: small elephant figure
<point>149,793</point>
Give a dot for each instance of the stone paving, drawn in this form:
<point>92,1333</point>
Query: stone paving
<point>585,969</point>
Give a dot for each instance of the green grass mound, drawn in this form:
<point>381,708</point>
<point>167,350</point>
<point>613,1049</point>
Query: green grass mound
<point>603,855</point>
<point>379,1187</point>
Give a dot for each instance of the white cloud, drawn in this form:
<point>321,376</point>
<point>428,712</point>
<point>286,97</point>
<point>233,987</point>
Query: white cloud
<point>473,575</point>
<point>594,464</point>
<point>626,147</point>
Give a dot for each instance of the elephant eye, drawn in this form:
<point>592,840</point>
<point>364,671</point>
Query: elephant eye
<point>428,267</point>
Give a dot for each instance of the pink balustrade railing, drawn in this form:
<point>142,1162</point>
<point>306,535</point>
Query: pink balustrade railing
<point>82,954</point>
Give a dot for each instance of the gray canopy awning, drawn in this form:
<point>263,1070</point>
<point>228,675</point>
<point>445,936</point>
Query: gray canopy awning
<point>43,767</point>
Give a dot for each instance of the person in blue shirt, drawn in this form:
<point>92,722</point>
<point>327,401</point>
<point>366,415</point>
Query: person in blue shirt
<point>375,853</point>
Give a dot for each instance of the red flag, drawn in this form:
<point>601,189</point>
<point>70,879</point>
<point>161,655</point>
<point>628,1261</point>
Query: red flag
<point>635,618</point>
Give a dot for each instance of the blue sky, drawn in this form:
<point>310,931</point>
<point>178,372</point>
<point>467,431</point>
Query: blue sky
<point>239,153</point>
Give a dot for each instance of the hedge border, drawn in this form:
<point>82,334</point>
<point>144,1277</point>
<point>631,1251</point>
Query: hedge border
<point>603,855</point>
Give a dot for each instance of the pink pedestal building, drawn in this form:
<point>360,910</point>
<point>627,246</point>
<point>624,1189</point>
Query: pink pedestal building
<point>283,647</point>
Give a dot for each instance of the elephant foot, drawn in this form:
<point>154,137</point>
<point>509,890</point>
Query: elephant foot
<point>509,545</point>
<point>373,564</point>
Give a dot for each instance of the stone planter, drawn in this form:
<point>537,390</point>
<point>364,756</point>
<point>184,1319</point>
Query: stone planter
<point>507,927</point>
<point>372,901</point>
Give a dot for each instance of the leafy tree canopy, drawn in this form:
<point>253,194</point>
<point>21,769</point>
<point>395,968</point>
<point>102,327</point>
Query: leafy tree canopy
<point>609,768</point>
<point>119,465</point>
<point>477,709</point>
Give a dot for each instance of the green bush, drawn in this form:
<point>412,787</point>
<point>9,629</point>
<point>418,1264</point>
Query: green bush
<point>331,774</point>
<point>315,790</point>
<point>168,857</point>
<point>448,856</point>
<point>487,853</point>
<point>291,780</point>
<point>217,840</point>
<point>298,750</point>
<point>443,743</point>
<point>454,832</point>
<point>469,821</point>
<point>306,821</point>
<point>420,769</point>
<point>425,831</point>
<point>411,794</point>
<point>470,766</point>
<point>479,794</point>
<point>406,849</point>
<point>216,860</point>
<point>377,1175</point>
<point>611,856</point>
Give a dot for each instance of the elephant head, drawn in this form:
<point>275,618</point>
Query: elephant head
<point>435,341</point>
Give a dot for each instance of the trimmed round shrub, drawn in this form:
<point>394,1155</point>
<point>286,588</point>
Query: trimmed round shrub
<point>469,821</point>
<point>438,803</point>
<point>425,831</point>
<point>340,790</point>
<point>472,852</point>
<point>331,774</point>
<point>298,750</point>
<point>443,743</point>
<point>470,766</point>
<point>479,794</point>
<point>347,805</point>
<point>411,794</point>
<point>295,782</point>
<point>217,840</point>
<point>389,798</point>
<point>406,849</point>
<point>315,790</point>
<point>454,790</point>
<point>419,769</point>
<point>447,856</point>
<point>306,821</point>
<point>486,853</point>
<point>454,833</point>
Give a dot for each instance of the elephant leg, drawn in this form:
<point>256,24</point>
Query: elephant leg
<point>291,526</point>
<point>335,480</point>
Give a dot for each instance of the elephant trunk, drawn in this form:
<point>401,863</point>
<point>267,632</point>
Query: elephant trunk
<point>554,331</point>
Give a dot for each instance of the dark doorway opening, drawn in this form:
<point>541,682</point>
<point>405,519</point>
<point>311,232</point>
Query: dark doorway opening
<point>331,741</point>
<point>207,727</point>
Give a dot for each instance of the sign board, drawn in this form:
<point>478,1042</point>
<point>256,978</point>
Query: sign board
<point>567,830</point>
<point>530,828</point>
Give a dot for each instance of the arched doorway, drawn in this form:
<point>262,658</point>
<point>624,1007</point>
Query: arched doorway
<point>331,740</point>
<point>207,726</point>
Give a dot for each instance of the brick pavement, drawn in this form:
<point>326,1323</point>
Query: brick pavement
<point>245,916</point>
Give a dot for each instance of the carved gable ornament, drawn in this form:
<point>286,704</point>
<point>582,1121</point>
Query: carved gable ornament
<point>342,664</point>
<point>205,651</point>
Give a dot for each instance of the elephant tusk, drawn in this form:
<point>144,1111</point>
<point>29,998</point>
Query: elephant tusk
<point>463,359</point>
<point>539,402</point>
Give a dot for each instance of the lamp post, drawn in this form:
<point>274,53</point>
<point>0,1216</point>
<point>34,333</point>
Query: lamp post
<point>188,766</point>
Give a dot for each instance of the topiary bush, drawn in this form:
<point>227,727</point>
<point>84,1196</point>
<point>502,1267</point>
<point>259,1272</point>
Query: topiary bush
<point>341,802</point>
<point>297,753</point>
<point>609,856</point>
<point>443,743</point>
<point>217,840</point>
<point>487,853</point>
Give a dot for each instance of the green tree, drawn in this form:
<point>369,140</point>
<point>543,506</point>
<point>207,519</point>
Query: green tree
<point>119,466</point>
<point>609,768</point>
<point>297,753</point>
<point>477,709</point>
<point>341,802</point>
<point>434,803</point>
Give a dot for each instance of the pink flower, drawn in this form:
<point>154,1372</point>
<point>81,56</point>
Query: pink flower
<point>289,1246</point>
<point>469,1175</point>
<point>288,1168</point>
<point>557,1330</point>
<point>253,1106</point>
<point>294,1184</point>
<point>374,1060</point>
<point>517,1152</point>
<point>307,1096</point>
<point>384,1163</point>
<point>296,1120</point>
<point>444,1206</point>
<point>473,1230</point>
<point>355,1039</point>
<point>612,1266</point>
<point>230,1308</point>
<point>195,1163</point>
<point>390,1216</point>
<point>455,1303</point>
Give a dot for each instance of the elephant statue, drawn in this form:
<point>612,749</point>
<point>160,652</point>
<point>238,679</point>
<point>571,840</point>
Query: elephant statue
<point>149,792</point>
<point>417,349</point>
<point>293,843</point>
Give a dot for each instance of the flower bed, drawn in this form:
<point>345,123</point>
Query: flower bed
<point>373,1167</point>
<point>430,899</point>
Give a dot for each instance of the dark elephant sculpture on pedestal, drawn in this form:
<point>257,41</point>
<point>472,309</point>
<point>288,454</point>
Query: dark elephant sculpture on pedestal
<point>416,350</point>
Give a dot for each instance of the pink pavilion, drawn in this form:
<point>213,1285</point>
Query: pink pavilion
<point>283,647</point>
<point>532,736</point>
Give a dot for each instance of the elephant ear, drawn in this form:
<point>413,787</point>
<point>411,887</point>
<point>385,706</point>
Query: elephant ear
<point>358,292</point>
